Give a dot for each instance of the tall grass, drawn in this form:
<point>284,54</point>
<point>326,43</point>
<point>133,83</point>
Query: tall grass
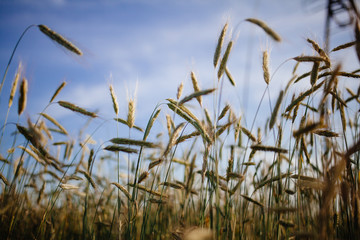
<point>212,176</point>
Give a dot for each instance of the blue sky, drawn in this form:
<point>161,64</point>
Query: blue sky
<point>152,45</point>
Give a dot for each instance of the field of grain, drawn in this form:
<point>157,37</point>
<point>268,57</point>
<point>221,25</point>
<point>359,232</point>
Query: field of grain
<point>213,174</point>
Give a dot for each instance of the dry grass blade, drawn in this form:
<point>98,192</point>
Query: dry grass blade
<point>123,190</point>
<point>196,95</point>
<point>116,148</point>
<point>224,59</point>
<point>57,91</point>
<point>59,39</point>
<point>252,200</point>
<point>56,123</point>
<point>133,142</point>
<point>14,84</point>
<point>338,98</point>
<point>326,133</point>
<point>230,77</point>
<point>259,147</point>
<point>265,67</point>
<point>219,45</point>
<point>23,96</point>
<point>114,100</point>
<point>120,120</point>
<point>276,110</point>
<point>266,28</point>
<point>75,108</point>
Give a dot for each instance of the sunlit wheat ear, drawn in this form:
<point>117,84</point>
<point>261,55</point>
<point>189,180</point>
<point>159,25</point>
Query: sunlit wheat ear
<point>224,111</point>
<point>314,73</point>
<point>343,46</point>
<point>131,113</point>
<point>114,100</point>
<point>264,148</point>
<point>156,193</point>
<point>266,28</point>
<point>219,44</point>
<point>65,186</point>
<point>169,124</point>
<point>265,67</point>
<point>75,108</point>
<point>276,110</point>
<point>173,137</point>
<point>357,38</point>
<point>56,123</point>
<point>196,86</point>
<point>23,96</point>
<point>14,84</point>
<point>310,59</point>
<point>320,51</point>
<point>155,163</point>
<point>197,95</point>
<point>124,191</point>
<point>143,176</point>
<point>62,85</point>
<point>59,39</point>
<point>230,77</point>
<point>205,162</point>
<point>179,90</point>
<point>172,185</point>
<point>88,177</point>
<point>225,59</point>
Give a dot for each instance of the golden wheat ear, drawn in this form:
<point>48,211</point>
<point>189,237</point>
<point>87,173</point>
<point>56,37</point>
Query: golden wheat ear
<point>59,39</point>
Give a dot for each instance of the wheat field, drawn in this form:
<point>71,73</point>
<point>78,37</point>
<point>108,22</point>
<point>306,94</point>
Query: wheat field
<point>212,174</point>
